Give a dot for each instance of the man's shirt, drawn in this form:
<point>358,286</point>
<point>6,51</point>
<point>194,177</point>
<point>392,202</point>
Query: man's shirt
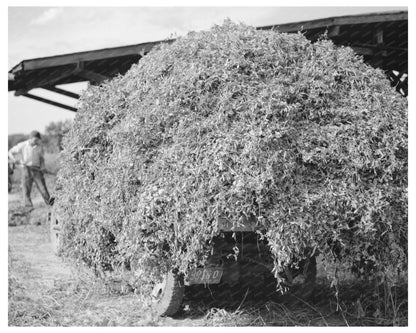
<point>29,155</point>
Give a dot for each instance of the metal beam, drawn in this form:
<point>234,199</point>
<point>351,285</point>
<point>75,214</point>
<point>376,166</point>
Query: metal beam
<point>62,91</point>
<point>44,100</point>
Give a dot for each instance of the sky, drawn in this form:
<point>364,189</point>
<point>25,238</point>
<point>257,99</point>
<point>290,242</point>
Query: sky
<point>45,31</point>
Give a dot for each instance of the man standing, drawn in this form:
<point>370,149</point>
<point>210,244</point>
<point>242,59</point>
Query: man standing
<point>33,164</point>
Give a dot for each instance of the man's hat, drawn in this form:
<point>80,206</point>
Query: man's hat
<point>35,134</point>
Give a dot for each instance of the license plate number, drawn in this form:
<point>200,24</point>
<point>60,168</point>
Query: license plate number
<point>205,275</point>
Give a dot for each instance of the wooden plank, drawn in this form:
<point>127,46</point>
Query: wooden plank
<point>74,58</point>
<point>44,100</point>
<point>62,91</point>
<point>21,92</point>
<point>380,47</point>
<point>90,75</point>
<point>369,51</point>
<point>334,31</point>
<point>379,36</point>
<point>143,48</point>
<point>17,68</point>
<point>363,50</point>
<point>48,81</point>
<point>341,20</point>
<point>371,18</point>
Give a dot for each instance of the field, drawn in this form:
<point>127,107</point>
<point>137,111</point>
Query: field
<point>45,291</point>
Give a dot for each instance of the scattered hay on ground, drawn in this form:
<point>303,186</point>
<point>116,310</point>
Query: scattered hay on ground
<point>18,215</point>
<point>80,302</point>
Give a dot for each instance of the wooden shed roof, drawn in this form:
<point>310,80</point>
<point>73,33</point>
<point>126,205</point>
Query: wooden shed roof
<point>381,38</point>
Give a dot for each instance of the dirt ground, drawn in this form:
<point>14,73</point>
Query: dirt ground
<point>46,291</point>
<point>73,301</point>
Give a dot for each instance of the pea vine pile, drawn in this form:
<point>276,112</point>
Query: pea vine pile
<point>236,122</point>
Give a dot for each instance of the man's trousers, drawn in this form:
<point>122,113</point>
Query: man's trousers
<point>30,175</point>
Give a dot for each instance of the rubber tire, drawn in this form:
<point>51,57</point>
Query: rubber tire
<point>54,230</point>
<point>309,270</point>
<point>172,295</point>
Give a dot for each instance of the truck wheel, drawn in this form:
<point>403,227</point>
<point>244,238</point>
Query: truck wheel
<point>298,281</point>
<point>310,270</point>
<point>168,294</point>
<point>55,229</point>
<point>304,278</point>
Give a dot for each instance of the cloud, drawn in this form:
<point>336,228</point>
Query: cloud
<point>47,16</point>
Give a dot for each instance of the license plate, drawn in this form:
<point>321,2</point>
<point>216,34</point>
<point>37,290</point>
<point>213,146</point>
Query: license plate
<point>206,275</point>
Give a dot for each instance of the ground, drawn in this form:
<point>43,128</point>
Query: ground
<point>46,291</point>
